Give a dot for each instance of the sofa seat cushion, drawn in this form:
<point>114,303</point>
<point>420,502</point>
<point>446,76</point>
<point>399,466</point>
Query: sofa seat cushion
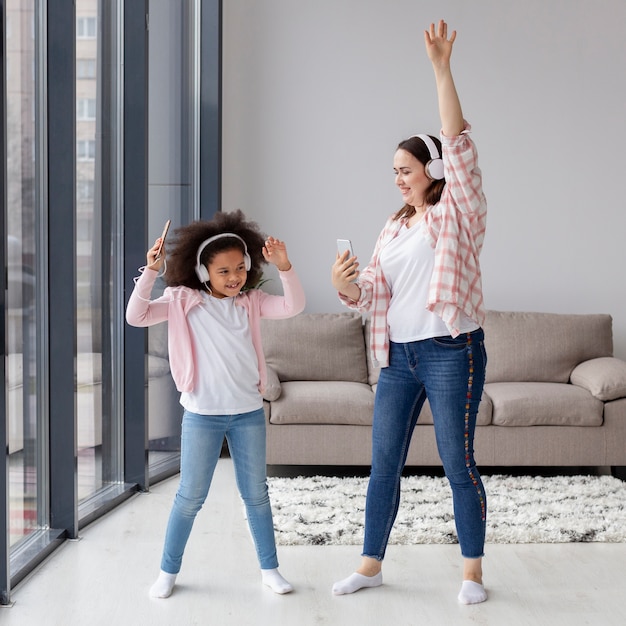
<point>316,346</point>
<point>323,402</point>
<point>545,404</point>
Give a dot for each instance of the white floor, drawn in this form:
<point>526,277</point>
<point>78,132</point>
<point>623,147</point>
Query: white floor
<point>103,578</point>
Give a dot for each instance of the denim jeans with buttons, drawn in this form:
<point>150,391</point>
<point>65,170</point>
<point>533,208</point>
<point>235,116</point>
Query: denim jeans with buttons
<point>450,372</point>
<point>201,444</point>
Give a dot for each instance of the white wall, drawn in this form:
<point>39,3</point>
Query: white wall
<point>317,95</point>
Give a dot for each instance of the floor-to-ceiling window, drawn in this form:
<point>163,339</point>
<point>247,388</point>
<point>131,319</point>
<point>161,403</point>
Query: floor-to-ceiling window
<point>97,251</point>
<point>80,207</point>
<point>172,192</point>
<point>26,427</point>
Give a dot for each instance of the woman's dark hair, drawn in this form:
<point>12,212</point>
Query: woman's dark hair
<point>416,147</point>
<point>183,251</point>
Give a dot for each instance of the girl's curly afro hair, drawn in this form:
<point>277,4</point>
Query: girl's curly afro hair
<point>182,253</point>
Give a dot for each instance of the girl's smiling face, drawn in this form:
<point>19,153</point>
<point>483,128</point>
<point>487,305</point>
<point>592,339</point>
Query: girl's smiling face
<point>411,177</point>
<point>227,273</point>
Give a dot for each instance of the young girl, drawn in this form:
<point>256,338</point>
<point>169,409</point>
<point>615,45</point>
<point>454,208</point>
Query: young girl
<point>216,358</point>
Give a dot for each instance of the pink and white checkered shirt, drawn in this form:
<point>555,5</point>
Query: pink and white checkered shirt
<point>455,227</point>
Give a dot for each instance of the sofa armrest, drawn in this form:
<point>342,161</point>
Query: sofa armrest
<point>272,389</point>
<point>604,377</point>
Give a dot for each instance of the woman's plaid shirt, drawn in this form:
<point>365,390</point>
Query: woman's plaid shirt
<point>455,227</point>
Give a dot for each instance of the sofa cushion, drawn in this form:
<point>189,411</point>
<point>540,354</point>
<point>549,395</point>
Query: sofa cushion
<point>543,347</point>
<point>328,402</point>
<point>373,371</point>
<point>605,378</point>
<point>316,346</point>
<point>546,404</point>
<point>272,389</point>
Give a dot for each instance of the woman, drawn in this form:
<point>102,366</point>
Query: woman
<point>423,288</point>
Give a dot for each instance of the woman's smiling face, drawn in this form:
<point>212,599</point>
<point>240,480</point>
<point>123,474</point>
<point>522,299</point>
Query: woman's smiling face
<point>411,177</point>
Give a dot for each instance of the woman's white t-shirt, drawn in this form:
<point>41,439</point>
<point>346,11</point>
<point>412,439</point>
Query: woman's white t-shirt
<point>407,263</point>
<point>227,370</point>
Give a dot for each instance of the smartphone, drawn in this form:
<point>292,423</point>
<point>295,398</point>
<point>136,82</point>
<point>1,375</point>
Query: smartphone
<point>343,245</point>
<point>163,236</point>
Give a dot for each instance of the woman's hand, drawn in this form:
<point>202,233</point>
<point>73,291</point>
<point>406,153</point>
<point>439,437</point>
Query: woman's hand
<point>439,50</point>
<point>152,261</point>
<point>343,274</point>
<point>275,252</point>
<point>438,46</point>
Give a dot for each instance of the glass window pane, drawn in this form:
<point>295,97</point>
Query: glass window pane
<point>98,425</point>
<point>85,68</point>
<point>25,466</point>
<point>172,94</point>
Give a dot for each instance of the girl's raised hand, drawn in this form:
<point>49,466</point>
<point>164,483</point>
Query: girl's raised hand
<point>438,46</point>
<point>275,252</point>
<point>151,256</point>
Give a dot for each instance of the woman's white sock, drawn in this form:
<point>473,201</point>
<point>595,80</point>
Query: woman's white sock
<point>357,581</point>
<point>273,579</point>
<point>163,586</point>
<point>472,593</point>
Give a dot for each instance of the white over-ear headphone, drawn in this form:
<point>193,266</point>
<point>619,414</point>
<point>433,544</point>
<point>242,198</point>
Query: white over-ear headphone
<point>202,272</point>
<point>434,167</point>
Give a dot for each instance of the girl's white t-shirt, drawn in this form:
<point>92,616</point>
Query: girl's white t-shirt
<point>407,263</point>
<point>227,369</point>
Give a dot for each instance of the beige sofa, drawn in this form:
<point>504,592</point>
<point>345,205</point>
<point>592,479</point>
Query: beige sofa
<point>554,394</point>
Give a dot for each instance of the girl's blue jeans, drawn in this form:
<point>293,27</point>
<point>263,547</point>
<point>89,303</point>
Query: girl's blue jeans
<point>201,444</point>
<point>451,374</point>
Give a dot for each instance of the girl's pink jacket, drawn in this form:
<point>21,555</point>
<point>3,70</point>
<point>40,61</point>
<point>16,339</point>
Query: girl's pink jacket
<point>176,302</point>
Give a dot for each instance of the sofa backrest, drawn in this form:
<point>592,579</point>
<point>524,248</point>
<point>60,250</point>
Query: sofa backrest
<point>543,347</point>
<point>316,346</point>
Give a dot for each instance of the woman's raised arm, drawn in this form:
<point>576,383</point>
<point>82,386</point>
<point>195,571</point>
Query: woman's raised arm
<point>439,50</point>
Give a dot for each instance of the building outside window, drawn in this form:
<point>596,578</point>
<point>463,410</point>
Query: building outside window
<point>86,27</point>
<point>85,69</point>
<point>86,109</point>
<point>86,149</point>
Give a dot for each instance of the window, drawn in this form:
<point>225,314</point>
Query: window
<point>86,109</point>
<point>85,149</point>
<point>86,27</point>
<point>85,68</point>
<point>85,190</point>
<point>24,366</point>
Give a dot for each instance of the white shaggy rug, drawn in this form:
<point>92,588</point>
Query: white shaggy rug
<point>323,510</point>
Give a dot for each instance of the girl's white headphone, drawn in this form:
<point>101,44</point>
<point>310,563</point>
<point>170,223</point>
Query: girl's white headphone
<point>434,167</point>
<point>202,272</point>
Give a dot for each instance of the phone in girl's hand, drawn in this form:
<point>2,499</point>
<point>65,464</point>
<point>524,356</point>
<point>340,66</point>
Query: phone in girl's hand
<point>163,236</point>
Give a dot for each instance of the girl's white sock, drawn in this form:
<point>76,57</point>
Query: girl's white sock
<point>273,579</point>
<point>163,586</point>
<point>472,593</point>
<point>357,581</point>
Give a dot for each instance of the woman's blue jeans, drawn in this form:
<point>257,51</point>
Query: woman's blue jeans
<point>451,374</point>
<point>201,444</point>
